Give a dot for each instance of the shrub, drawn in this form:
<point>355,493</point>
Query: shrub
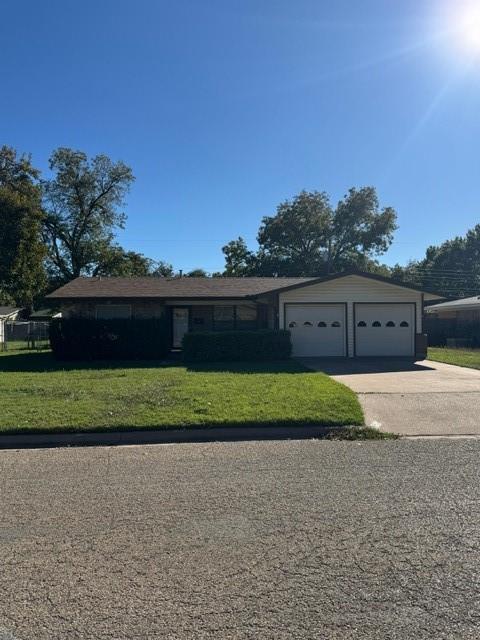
<point>440,329</point>
<point>236,346</point>
<point>86,339</point>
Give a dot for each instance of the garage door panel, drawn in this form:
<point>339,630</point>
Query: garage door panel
<point>316,329</point>
<point>385,329</point>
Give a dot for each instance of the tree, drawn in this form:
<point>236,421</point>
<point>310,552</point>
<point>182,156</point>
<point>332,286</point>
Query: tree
<point>295,239</point>
<point>162,269</point>
<point>239,261</point>
<point>82,202</point>
<point>118,262</point>
<point>197,273</point>
<point>452,268</point>
<point>306,237</point>
<point>22,274</point>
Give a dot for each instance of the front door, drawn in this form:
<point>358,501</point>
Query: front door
<point>180,325</point>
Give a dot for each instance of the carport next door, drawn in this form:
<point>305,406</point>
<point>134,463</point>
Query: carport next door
<point>385,329</point>
<point>317,329</point>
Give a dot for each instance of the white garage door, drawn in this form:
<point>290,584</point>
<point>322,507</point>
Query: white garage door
<point>316,329</point>
<point>384,329</point>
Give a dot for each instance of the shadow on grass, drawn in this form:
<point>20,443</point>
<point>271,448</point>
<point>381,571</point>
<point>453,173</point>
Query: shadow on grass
<point>43,361</point>
<point>276,366</point>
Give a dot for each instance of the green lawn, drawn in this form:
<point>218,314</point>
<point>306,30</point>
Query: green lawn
<point>39,394</point>
<point>460,357</point>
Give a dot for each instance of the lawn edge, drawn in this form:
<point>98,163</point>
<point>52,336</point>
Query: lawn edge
<point>195,435</point>
<point>454,364</point>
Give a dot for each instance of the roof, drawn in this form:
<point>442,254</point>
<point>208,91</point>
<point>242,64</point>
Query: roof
<point>201,288</point>
<point>464,304</point>
<point>154,287</point>
<point>8,311</point>
<point>44,313</point>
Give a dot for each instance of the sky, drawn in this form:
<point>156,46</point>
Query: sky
<point>225,108</point>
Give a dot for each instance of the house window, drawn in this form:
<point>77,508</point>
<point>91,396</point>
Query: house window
<point>113,311</point>
<point>404,323</point>
<point>246,317</point>
<point>201,318</point>
<point>322,324</point>
<point>336,323</point>
<point>362,323</point>
<point>292,325</point>
<point>376,324</point>
<point>307,324</point>
<point>390,323</point>
<point>223,318</point>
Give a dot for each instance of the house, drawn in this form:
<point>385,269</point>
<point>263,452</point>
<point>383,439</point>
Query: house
<point>7,314</point>
<point>456,320</point>
<point>44,315</point>
<point>344,315</point>
<point>465,310</point>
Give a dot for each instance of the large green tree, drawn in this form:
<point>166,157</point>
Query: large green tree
<point>452,268</point>
<point>22,274</point>
<point>83,204</point>
<point>308,237</point>
<point>118,262</point>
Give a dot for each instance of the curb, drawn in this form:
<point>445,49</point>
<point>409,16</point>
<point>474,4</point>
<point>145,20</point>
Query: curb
<point>170,436</point>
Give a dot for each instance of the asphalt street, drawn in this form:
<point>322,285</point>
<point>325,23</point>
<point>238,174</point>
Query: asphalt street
<point>274,540</point>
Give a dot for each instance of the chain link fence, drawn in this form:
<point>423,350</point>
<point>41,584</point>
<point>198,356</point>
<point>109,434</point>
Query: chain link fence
<point>19,334</point>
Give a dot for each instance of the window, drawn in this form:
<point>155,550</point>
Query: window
<point>246,317</point>
<point>223,318</point>
<point>201,318</point>
<point>404,323</point>
<point>292,325</point>
<point>307,324</point>
<point>322,324</point>
<point>390,323</point>
<point>362,323</point>
<point>376,324</point>
<point>113,311</point>
<point>336,323</point>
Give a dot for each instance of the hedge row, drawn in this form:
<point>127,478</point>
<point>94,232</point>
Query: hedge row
<point>236,346</point>
<point>85,339</point>
<point>440,329</point>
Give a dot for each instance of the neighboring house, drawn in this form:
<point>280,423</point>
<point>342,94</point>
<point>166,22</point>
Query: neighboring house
<point>44,315</point>
<point>466,310</point>
<point>7,314</point>
<point>457,320</point>
<point>348,314</point>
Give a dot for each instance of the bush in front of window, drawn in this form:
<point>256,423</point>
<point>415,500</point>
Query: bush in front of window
<point>88,339</point>
<point>237,346</point>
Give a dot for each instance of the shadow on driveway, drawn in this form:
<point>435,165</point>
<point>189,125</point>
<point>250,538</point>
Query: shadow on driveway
<point>352,366</point>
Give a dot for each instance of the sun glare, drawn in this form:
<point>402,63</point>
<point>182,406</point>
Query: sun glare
<point>469,28</point>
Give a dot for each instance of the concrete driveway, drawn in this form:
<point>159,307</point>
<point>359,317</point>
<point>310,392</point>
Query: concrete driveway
<point>422,398</point>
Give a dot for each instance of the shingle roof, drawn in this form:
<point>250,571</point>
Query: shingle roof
<point>454,305</point>
<point>153,287</point>
<point>7,311</point>
<point>201,288</point>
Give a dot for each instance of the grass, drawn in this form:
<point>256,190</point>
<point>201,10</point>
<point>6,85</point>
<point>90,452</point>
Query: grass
<point>360,433</point>
<point>460,357</point>
<point>39,394</point>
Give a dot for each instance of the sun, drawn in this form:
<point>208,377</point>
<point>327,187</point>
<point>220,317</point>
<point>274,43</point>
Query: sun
<point>468,31</point>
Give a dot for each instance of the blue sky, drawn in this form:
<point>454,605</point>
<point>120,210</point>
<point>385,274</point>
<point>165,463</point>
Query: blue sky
<point>224,108</point>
